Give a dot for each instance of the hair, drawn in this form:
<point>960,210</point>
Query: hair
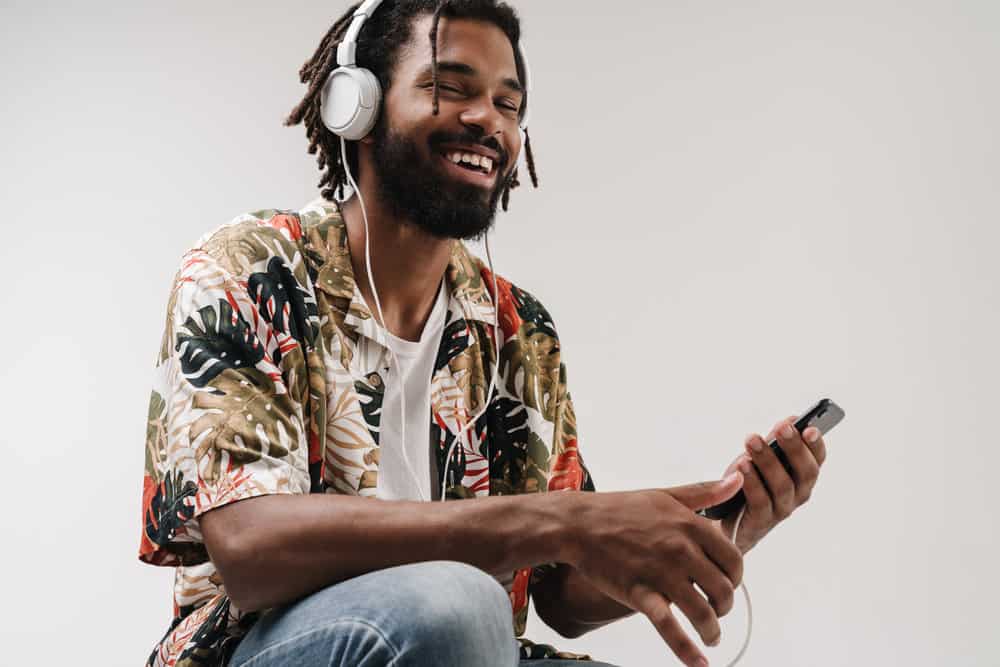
<point>392,23</point>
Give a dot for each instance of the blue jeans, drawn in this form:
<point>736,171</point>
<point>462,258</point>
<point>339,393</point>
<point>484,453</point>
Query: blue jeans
<point>433,613</point>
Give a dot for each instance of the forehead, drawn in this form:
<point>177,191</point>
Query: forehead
<point>480,44</point>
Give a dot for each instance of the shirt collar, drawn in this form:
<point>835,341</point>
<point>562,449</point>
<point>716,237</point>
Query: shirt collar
<point>463,276</point>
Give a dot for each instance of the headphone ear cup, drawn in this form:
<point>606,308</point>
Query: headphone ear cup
<point>349,102</point>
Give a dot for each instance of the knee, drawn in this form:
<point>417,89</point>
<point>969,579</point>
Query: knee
<point>463,617</point>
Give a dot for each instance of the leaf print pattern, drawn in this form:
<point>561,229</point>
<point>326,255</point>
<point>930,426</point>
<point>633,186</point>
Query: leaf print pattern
<point>245,417</point>
<point>505,426</point>
<point>371,393</point>
<point>221,340</point>
<point>267,381</point>
<point>530,310</point>
<point>530,363</point>
<point>156,436</point>
<point>166,510</point>
<point>283,303</point>
<point>454,340</point>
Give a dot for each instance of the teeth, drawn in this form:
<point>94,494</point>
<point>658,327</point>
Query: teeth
<point>474,159</point>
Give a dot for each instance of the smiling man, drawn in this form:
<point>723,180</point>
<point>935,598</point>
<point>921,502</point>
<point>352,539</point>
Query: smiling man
<point>302,422</point>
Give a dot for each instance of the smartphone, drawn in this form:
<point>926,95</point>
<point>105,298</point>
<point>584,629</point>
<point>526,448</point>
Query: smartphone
<point>824,415</point>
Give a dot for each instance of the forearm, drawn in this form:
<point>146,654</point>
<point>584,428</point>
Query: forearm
<point>572,606</point>
<point>274,549</point>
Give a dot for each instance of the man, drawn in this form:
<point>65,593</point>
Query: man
<point>281,397</point>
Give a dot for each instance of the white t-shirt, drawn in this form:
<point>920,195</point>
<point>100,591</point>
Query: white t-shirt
<point>416,364</point>
<point>416,359</point>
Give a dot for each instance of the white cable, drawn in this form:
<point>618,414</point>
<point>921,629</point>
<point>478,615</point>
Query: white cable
<point>746,596</point>
<point>493,377</point>
<point>381,317</point>
<point>395,360</point>
<point>496,342</point>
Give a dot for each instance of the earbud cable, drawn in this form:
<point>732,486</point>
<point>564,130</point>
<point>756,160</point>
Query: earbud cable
<point>493,378</point>
<point>470,425</point>
<point>746,596</point>
<point>381,319</point>
<point>378,306</point>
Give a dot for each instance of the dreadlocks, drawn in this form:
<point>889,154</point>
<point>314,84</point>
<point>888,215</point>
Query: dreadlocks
<point>393,23</point>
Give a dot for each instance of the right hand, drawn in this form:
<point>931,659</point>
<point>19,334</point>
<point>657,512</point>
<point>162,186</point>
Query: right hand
<point>646,549</point>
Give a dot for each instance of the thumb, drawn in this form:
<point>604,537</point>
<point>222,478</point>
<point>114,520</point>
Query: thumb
<point>707,494</point>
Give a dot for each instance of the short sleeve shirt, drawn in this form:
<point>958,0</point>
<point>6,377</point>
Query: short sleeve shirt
<point>270,378</point>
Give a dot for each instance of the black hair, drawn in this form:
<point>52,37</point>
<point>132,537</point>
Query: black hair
<point>384,35</point>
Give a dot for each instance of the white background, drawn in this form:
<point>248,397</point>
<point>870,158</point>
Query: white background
<point>744,207</point>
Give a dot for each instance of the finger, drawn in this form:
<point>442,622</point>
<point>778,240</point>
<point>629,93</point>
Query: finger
<point>699,612</point>
<point>734,466</point>
<point>814,440</point>
<point>657,610</point>
<point>707,494</point>
<point>817,447</point>
<point>719,550</point>
<point>805,470</point>
<point>758,499</point>
<point>714,583</point>
<point>779,484</point>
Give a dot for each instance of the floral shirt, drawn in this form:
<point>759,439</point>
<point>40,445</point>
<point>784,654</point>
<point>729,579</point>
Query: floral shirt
<point>270,380</point>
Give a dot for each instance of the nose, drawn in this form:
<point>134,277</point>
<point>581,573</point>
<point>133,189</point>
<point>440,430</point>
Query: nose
<point>483,116</point>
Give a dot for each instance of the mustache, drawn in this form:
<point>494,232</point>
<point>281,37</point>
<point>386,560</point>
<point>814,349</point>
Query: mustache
<point>469,139</point>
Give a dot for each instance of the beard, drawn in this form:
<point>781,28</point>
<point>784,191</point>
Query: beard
<point>425,195</point>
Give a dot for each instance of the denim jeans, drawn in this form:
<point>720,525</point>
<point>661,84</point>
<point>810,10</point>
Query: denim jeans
<point>433,613</point>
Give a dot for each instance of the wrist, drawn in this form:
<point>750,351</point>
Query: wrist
<point>566,510</point>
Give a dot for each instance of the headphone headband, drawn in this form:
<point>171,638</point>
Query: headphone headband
<point>347,50</point>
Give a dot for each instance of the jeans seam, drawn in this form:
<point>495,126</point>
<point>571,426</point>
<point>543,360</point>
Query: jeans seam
<point>360,621</point>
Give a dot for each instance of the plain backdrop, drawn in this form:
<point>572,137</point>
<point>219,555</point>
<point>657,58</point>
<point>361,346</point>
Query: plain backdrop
<point>743,207</point>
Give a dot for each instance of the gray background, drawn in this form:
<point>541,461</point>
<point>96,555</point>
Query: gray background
<point>744,206</point>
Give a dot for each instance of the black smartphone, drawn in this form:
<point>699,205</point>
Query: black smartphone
<point>824,415</point>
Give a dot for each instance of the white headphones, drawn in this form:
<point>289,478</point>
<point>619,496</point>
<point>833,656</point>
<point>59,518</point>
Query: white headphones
<point>351,95</point>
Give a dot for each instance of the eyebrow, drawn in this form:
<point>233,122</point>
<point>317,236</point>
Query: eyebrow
<point>468,70</point>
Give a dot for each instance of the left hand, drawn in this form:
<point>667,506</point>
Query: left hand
<point>772,494</point>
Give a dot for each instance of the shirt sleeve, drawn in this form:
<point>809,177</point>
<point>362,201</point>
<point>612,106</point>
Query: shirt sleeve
<point>226,419</point>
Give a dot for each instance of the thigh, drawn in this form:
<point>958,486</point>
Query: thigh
<point>438,612</point>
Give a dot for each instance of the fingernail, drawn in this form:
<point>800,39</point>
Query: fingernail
<point>745,467</point>
<point>787,431</point>
<point>754,443</point>
<point>730,477</point>
<point>701,662</point>
<point>813,436</point>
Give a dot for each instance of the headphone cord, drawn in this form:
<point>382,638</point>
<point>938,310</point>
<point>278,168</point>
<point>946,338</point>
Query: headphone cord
<point>496,365</point>
<point>746,596</point>
<point>381,317</point>
<point>402,393</point>
<point>493,378</point>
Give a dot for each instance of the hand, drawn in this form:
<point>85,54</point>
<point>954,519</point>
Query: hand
<point>772,494</point>
<point>647,549</point>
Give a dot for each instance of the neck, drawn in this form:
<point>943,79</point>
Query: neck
<point>408,264</point>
